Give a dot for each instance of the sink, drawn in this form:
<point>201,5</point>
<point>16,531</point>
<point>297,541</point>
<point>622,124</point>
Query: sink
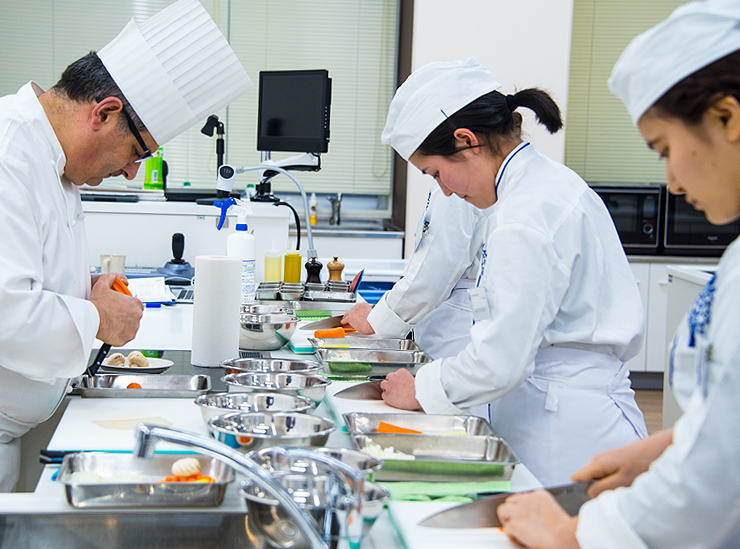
<point>120,530</point>
<point>352,225</point>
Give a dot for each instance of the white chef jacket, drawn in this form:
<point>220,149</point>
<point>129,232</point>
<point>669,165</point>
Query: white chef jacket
<point>564,312</point>
<point>690,496</point>
<point>48,327</point>
<point>432,293</point>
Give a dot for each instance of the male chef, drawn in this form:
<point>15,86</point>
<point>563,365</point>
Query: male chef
<point>108,111</point>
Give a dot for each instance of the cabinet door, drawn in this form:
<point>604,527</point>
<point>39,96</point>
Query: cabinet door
<point>655,357</point>
<point>641,271</point>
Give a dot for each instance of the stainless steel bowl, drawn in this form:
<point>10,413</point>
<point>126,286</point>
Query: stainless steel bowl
<point>267,309</point>
<point>276,461</point>
<point>222,403</point>
<point>266,332</point>
<point>310,492</point>
<point>307,385</point>
<point>269,365</point>
<point>250,431</point>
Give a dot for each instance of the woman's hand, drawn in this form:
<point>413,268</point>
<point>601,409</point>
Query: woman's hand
<point>535,519</point>
<point>621,466</point>
<point>399,390</point>
<point>357,318</point>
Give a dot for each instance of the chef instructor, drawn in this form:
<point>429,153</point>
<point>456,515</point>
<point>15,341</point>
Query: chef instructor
<point>108,111</point>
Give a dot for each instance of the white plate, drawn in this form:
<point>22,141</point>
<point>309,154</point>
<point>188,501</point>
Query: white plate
<point>156,366</point>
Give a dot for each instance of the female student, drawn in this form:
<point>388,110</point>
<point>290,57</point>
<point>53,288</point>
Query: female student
<point>556,308</point>
<point>681,84</point>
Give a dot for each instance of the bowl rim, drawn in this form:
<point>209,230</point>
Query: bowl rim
<point>329,426</point>
<point>297,398</point>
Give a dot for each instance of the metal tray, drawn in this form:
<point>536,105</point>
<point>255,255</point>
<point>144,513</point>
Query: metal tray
<point>443,458</point>
<point>136,482</point>
<point>162,386</point>
<point>376,361</point>
<point>329,306</point>
<point>312,295</point>
<point>380,344</point>
<point>359,423</point>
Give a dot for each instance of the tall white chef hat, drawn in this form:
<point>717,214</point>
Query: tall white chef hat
<point>175,68</point>
<point>694,36</point>
<point>428,96</point>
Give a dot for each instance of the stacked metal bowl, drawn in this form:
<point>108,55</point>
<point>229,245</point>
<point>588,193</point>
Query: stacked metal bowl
<point>307,385</point>
<point>266,331</point>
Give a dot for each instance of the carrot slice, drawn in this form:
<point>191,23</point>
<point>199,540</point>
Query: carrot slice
<point>384,427</point>
<point>332,332</point>
<point>133,385</point>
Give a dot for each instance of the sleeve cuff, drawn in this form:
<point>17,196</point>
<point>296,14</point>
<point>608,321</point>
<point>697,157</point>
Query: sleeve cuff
<point>602,526</point>
<point>386,323</point>
<point>431,394</point>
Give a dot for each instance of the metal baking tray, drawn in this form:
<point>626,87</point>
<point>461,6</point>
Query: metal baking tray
<point>381,344</point>
<point>99,479</point>
<point>442,458</point>
<point>162,386</point>
<point>359,423</point>
<point>369,361</point>
<point>313,295</point>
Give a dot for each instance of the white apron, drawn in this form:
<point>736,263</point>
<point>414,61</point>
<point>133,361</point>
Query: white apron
<point>571,392</point>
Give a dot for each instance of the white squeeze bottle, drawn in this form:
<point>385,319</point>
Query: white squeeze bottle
<point>241,244</point>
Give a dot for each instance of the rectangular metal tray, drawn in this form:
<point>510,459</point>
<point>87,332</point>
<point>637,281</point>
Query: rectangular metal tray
<point>311,295</point>
<point>136,482</point>
<point>380,344</point>
<point>380,361</point>
<point>161,386</point>
<point>443,458</point>
<point>360,423</point>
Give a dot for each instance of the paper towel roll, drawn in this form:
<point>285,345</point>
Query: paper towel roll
<point>216,310</point>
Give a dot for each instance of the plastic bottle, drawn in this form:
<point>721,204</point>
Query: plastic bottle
<point>292,267</point>
<point>313,206</point>
<point>273,268</point>
<point>153,174</point>
<point>250,190</point>
<point>241,244</point>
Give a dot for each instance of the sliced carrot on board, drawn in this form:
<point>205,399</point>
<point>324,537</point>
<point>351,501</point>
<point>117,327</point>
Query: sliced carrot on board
<point>332,332</point>
<point>384,427</point>
<point>348,329</point>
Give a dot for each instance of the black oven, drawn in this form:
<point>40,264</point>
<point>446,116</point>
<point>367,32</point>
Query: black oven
<point>687,231</point>
<point>637,214</point>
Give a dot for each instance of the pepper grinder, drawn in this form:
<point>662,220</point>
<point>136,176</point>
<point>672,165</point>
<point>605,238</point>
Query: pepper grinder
<point>313,271</point>
<point>335,269</point>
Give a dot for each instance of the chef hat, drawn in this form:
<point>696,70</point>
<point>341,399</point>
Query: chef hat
<point>175,68</point>
<point>428,97</point>
<point>694,36</point>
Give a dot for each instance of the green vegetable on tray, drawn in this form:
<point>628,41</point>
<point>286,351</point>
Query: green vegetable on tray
<point>353,367</point>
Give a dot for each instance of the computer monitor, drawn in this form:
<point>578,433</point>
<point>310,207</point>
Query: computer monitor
<point>294,111</point>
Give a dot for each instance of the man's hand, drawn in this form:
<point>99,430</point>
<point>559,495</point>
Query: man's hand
<point>534,519</point>
<point>399,390</point>
<point>357,318</point>
<point>621,466</point>
<point>119,314</point>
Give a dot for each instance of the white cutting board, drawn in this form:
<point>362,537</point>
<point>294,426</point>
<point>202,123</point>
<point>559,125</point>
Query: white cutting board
<point>107,424</point>
<point>341,406</point>
<point>406,516</point>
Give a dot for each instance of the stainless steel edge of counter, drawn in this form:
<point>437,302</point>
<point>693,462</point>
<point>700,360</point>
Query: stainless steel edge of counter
<point>373,228</point>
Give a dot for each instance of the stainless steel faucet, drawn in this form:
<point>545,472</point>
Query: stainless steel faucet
<point>335,206</point>
<point>148,435</point>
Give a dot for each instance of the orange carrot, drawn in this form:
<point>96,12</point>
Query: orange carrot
<point>119,286</point>
<point>384,427</point>
<point>332,332</point>
<point>133,385</point>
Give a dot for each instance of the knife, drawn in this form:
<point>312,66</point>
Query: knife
<point>324,323</point>
<point>481,513</point>
<point>362,391</point>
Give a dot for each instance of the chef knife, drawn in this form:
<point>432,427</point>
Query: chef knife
<point>481,513</point>
<point>324,323</point>
<point>362,391</point>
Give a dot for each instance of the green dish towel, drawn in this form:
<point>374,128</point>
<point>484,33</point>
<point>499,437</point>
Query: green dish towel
<point>443,491</point>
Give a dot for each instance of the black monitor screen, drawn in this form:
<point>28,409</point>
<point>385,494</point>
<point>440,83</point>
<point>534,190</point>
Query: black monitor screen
<point>294,111</point>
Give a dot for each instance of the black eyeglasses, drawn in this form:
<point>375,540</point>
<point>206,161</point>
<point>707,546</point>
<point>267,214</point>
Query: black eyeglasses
<point>146,155</point>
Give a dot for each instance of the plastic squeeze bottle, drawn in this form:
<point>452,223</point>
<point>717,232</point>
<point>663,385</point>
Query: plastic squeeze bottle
<point>241,244</point>
<point>153,175</point>
<point>292,267</point>
<point>313,206</point>
<point>273,268</point>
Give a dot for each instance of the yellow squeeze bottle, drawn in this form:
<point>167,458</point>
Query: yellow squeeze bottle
<point>292,270</point>
<point>273,268</point>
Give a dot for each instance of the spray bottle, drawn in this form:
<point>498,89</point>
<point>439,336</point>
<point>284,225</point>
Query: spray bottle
<point>241,244</point>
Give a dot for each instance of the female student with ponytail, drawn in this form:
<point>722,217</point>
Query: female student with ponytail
<point>557,310</point>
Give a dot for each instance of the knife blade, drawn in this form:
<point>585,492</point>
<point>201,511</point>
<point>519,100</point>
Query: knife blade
<point>369,390</point>
<point>481,513</point>
<point>324,323</point>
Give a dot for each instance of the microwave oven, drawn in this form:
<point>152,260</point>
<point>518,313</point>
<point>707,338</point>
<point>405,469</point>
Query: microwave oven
<point>637,214</point>
<point>687,231</point>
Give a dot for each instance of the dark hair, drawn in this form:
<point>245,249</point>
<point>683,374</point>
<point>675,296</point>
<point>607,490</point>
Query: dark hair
<point>691,97</point>
<point>87,79</point>
<point>493,116</point>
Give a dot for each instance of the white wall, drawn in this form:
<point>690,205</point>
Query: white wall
<point>524,43</point>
